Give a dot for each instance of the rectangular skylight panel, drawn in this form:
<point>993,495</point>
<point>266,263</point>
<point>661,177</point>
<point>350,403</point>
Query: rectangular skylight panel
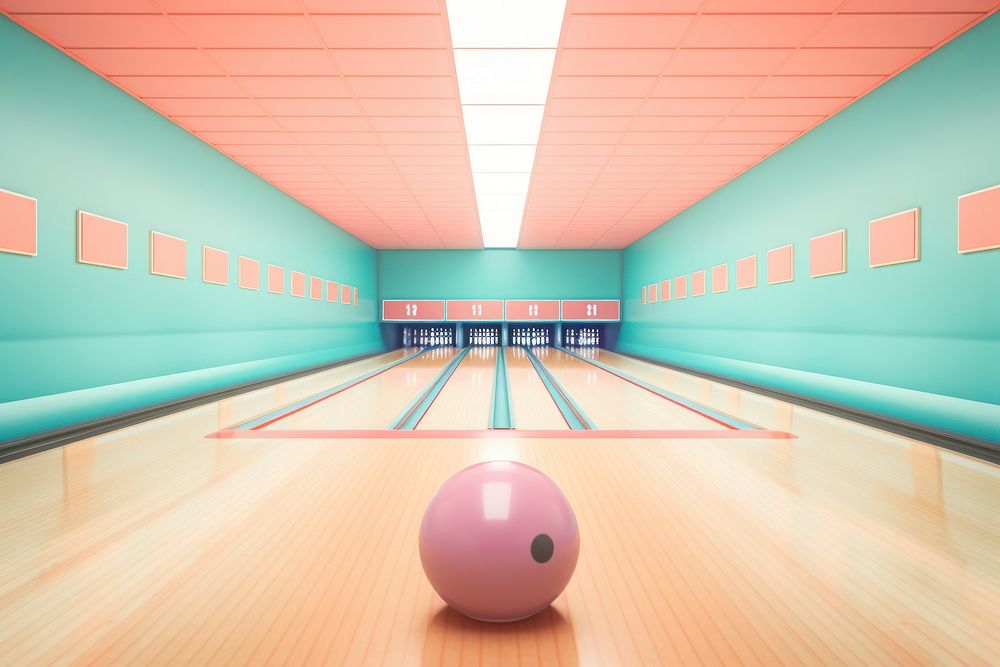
<point>502,158</point>
<point>501,184</point>
<point>525,24</point>
<point>501,124</point>
<point>500,230</point>
<point>504,76</point>
<point>501,202</point>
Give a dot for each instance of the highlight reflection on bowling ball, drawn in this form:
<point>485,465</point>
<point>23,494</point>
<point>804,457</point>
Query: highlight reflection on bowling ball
<point>499,541</point>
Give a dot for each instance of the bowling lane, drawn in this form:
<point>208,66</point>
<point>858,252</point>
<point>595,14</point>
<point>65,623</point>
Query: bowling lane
<point>466,399</point>
<point>746,405</point>
<point>374,403</point>
<point>611,402</point>
<point>531,404</point>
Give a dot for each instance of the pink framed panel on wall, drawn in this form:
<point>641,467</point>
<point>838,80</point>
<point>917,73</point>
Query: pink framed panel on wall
<point>979,220</point>
<point>18,223</point>
<point>591,310</point>
<point>315,288</point>
<point>828,254</point>
<point>651,295</point>
<point>101,241</point>
<point>680,287</point>
<point>643,294</point>
<point>214,265</point>
<point>332,290</point>
<point>474,310</point>
<point>275,279</point>
<point>720,278</point>
<point>665,290</point>
<point>355,291</point>
<point>298,284</point>
<point>894,239</point>
<point>345,294</point>
<point>248,273</point>
<point>781,265</point>
<point>531,310</point>
<point>413,310</point>
<point>167,255</point>
<point>746,272</point>
<point>698,283</point>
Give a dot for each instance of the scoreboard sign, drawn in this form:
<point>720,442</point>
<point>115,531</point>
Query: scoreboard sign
<point>472,310</point>
<point>591,310</point>
<point>413,310</point>
<point>532,310</point>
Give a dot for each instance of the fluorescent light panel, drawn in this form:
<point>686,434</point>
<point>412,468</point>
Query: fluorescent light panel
<point>505,24</point>
<point>502,158</point>
<point>499,125</point>
<point>497,76</point>
<point>504,53</point>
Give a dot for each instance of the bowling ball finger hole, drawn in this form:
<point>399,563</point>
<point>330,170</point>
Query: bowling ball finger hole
<point>542,548</point>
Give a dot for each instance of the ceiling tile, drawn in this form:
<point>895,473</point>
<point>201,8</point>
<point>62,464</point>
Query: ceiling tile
<point>180,86</point>
<point>753,30</point>
<point>601,62</point>
<point>601,86</point>
<point>72,31</point>
<point>441,87</point>
<point>274,62</point>
<point>895,30</point>
<point>727,61</point>
<point>294,86</point>
<point>389,31</point>
<point>816,62</point>
<point>410,62</point>
<point>587,31</point>
<point>705,86</point>
<point>129,62</point>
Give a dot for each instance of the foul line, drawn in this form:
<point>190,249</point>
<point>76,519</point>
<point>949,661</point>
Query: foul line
<point>517,434</point>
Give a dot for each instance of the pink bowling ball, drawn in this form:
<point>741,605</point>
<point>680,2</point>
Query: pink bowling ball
<point>499,541</point>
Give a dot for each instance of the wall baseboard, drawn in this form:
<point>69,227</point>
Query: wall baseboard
<point>33,444</point>
<point>980,449</point>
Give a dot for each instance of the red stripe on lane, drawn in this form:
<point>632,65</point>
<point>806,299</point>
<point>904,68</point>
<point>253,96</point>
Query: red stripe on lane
<point>478,434</point>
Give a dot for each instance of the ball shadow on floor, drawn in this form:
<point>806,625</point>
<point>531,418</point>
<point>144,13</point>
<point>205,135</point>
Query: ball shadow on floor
<point>545,638</point>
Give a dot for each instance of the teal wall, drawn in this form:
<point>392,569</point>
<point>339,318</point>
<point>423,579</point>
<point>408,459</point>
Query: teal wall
<point>500,274</point>
<point>80,341</point>
<point>917,341</point>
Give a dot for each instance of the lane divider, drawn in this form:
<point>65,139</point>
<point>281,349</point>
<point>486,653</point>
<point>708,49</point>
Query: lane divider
<point>501,416</point>
<point>571,412</point>
<point>282,412</point>
<point>417,408</point>
<point>708,413</point>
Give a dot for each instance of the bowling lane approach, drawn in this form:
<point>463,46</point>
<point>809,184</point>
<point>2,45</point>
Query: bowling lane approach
<point>531,405</point>
<point>376,402</point>
<point>465,401</point>
<point>611,402</point>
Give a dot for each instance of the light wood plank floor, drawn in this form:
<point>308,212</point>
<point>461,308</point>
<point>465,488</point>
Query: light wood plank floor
<point>154,545</point>
<point>611,402</point>
<point>466,399</point>
<point>531,404</point>
<point>376,402</point>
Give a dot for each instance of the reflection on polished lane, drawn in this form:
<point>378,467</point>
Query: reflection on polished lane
<point>155,545</point>
<point>531,404</point>
<point>464,402</point>
<point>611,402</point>
<point>374,403</point>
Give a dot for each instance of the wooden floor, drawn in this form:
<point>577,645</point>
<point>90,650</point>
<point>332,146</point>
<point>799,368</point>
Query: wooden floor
<point>466,399</point>
<point>154,545</point>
